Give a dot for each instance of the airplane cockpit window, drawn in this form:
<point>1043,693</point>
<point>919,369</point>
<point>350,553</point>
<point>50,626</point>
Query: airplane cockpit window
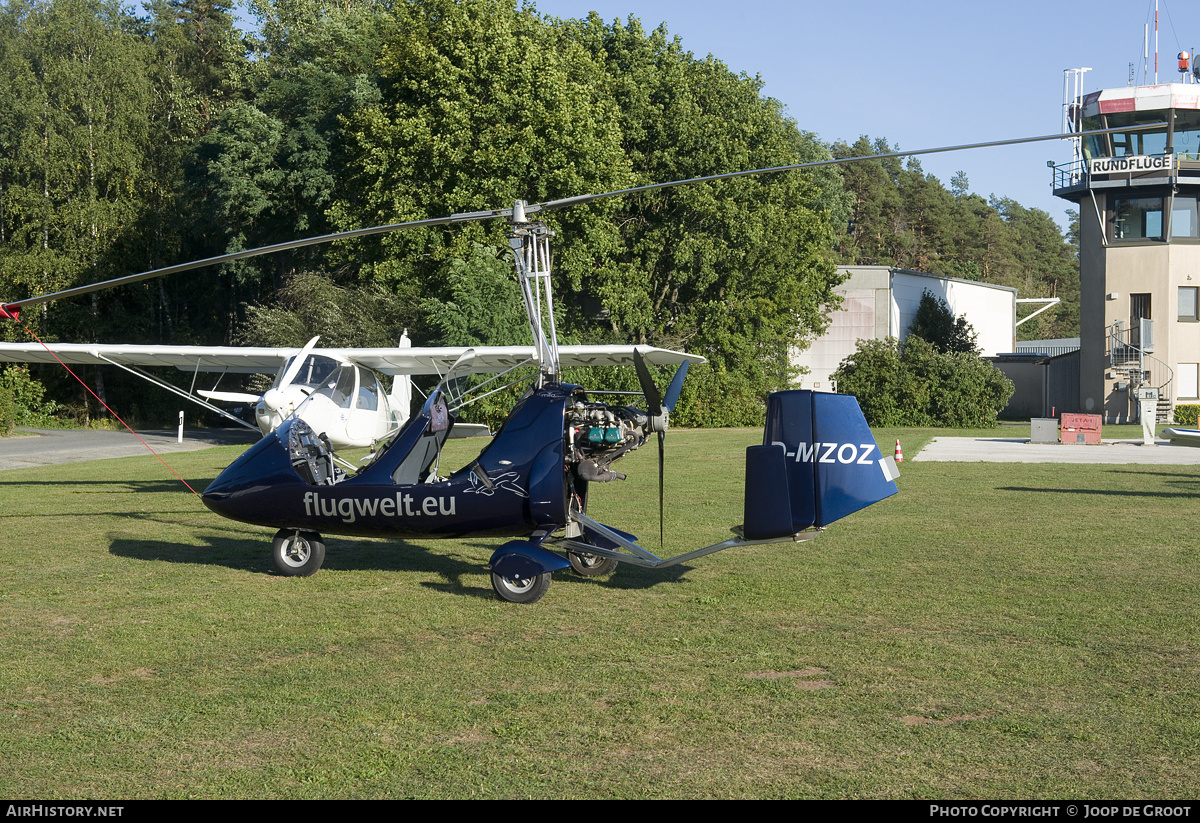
<point>368,391</point>
<point>339,387</point>
<point>314,371</point>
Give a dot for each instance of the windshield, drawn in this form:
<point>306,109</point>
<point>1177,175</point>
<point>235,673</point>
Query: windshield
<point>339,387</point>
<point>313,373</point>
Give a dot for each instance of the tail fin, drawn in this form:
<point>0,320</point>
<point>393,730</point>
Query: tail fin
<point>818,463</point>
<point>400,398</point>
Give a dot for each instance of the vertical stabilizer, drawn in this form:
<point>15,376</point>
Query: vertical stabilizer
<point>818,463</point>
<point>400,397</point>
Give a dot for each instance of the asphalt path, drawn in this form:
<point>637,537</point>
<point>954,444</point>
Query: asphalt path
<point>1015,450</point>
<point>43,447</point>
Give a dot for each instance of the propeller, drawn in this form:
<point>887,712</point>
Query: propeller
<point>659,413</point>
<point>274,399</point>
<point>228,396</point>
<point>298,362</point>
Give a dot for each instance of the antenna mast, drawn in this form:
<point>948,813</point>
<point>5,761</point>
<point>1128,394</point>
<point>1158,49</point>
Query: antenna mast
<point>1073,114</point>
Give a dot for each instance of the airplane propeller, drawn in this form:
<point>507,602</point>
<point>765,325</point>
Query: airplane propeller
<point>298,362</point>
<point>228,396</point>
<point>275,399</point>
<point>659,412</point>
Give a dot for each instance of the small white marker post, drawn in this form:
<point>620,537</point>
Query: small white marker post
<point>181,427</point>
<point>1148,411</point>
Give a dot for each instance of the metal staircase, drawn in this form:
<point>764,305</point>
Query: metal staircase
<point>1129,356</point>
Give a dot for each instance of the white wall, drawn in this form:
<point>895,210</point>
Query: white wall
<point>991,311</point>
<point>854,321</point>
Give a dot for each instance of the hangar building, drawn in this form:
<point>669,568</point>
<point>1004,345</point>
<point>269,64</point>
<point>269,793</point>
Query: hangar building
<point>881,301</point>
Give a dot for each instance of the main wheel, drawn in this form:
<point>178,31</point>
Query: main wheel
<point>529,590</point>
<point>297,554</point>
<point>590,565</point>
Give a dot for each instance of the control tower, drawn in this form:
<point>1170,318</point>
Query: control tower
<point>1139,247</point>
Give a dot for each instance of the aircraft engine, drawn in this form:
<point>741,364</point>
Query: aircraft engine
<point>598,434</point>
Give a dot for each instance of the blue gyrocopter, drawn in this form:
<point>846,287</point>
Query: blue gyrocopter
<point>530,483</point>
<point>819,462</point>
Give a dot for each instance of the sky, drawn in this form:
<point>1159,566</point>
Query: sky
<point>928,73</point>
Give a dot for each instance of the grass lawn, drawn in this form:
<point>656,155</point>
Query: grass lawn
<point>995,630</point>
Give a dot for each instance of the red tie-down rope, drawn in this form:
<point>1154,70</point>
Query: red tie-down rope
<point>6,312</point>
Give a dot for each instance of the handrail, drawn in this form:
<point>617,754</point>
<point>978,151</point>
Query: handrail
<point>1124,353</point>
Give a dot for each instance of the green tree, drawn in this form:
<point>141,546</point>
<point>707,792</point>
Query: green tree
<point>74,141</point>
<point>918,385</point>
<point>483,305</point>
<point>270,163</point>
<point>23,402</point>
<point>481,104</point>
<point>737,269</point>
<point>876,376</point>
<point>937,325</point>
<point>312,303</point>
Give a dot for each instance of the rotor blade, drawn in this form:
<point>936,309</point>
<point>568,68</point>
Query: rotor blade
<point>298,362</point>
<point>563,203</point>
<point>517,213</point>
<point>676,387</point>
<point>653,399</point>
<point>463,217</point>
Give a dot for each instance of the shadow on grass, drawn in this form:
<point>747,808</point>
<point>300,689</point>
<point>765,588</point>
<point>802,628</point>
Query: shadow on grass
<point>1192,475</point>
<point>231,552</point>
<point>160,486</point>
<point>1189,495</point>
<point>251,553</point>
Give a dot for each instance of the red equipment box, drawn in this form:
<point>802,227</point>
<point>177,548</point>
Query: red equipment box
<point>1080,428</point>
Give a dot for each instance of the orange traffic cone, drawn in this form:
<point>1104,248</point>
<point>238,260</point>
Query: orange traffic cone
<point>899,453</point>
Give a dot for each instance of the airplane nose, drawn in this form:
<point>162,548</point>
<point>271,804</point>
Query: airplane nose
<point>274,399</point>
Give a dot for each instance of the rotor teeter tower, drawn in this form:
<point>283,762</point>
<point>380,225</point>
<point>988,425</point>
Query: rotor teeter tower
<point>530,244</point>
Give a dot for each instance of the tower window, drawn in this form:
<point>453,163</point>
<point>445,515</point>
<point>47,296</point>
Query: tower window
<point>1189,306</point>
<point>1138,218</point>
<point>1184,221</point>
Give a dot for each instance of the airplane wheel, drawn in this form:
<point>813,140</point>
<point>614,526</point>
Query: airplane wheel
<point>297,554</point>
<point>590,565</point>
<point>529,590</point>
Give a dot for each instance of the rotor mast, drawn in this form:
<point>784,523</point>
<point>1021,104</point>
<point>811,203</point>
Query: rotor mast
<point>530,243</point>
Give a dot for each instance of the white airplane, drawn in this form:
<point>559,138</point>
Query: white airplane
<point>335,391</point>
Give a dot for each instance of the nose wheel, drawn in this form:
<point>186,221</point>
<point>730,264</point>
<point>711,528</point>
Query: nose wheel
<point>525,590</point>
<point>297,553</point>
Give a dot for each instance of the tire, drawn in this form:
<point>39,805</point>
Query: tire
<point>529,590</point>
<point>590,565</point>
<point>296,553</point>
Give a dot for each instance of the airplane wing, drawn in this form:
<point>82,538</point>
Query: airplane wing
<point>391,361</point>
<point>498,358</point>
<point>239,359</point>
